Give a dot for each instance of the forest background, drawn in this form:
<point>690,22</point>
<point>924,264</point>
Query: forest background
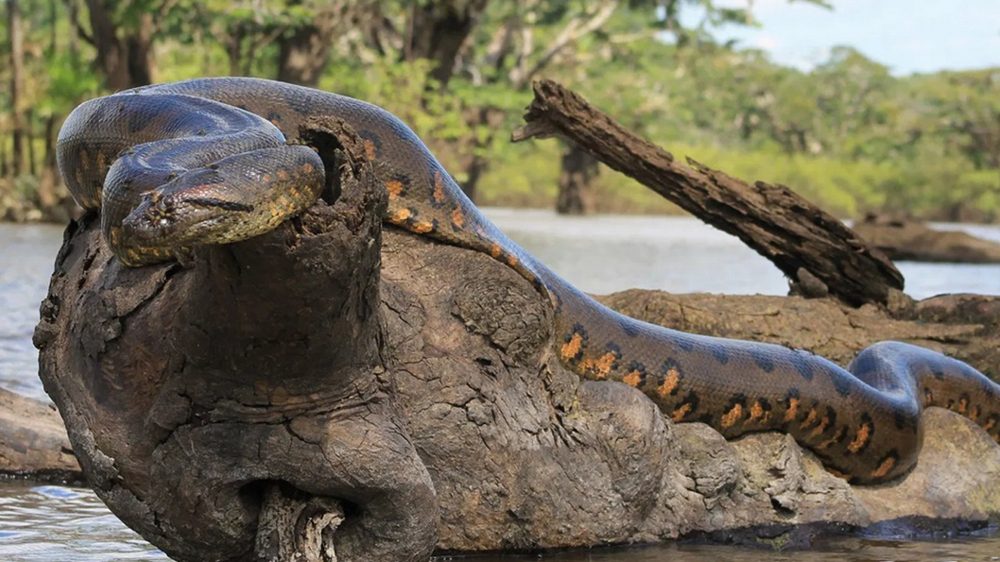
<point>847,134</point>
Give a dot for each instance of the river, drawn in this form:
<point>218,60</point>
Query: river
<point>599,254</point>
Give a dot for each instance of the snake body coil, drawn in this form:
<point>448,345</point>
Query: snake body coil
<point>217,148</point>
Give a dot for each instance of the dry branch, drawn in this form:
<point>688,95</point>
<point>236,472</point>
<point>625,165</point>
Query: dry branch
<point>771,219</point>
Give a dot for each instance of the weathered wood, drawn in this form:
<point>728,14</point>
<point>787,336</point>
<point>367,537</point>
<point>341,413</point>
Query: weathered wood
<point>771,219</point>
<point>910,239</point>
<point>188,392</point>
<point>33,442</point>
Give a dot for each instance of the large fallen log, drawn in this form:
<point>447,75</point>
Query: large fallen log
<point>320,376</point>
<point>781,226</point>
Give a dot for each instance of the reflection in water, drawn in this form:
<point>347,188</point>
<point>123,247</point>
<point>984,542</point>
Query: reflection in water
<point>599,254</point>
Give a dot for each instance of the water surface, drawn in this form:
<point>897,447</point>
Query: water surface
<point>599,254</point>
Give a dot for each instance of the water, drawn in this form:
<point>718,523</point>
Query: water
<point>598,254</point>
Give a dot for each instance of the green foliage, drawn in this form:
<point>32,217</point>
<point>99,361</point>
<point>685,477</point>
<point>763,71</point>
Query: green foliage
<point>847,135</point>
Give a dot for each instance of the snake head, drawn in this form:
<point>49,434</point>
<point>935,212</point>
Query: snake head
<point>190,210</point>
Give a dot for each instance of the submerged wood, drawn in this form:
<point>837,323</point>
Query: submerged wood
<point>771,219</point>
<point>909,239</point>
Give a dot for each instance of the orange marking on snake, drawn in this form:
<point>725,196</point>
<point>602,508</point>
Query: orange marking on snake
<point>401,216</point>
<point>438,194</point>
<point>884,468</point>
<point>571,348</point>
<point>928,397</point>
<point>678,414</point>
<point>758,413</point>
<point>282,175</point>
<point>836,437</point>
<point>810,419</point>
<point>496,251</point>
<point>370,150</point>
<point>458,217</point>
<point>632,378</point>
<point>963,404</point>
<point>733,416</point>
<point>423,227</point>
<point>601,366</point>
<point>821,427</point>
<point>395,188</point>
<point>793,410</point>
<point>670,383</point>
<point>836,472</point>
<point>989,425</point>
<point>864,433</point>
<point>308,168</point>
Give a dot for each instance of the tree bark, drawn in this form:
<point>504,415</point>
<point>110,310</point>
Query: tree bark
<point>771,219</point>
<point>578,170</point>
<point>15,33</point>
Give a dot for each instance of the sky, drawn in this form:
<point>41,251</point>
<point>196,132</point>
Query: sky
<point>908,36</point>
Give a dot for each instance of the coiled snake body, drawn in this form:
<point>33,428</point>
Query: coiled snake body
<point>217,147</point>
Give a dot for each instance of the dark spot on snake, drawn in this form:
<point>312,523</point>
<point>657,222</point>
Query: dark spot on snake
<point>706,418</point>
<point>840,379</point>
<point>629,326</point>
<point>762,357</point>
<point>691,399</point>
<point>274,117</point>
<point>639,369</point>
<point>242,106</point>
<point>201,132</point>
<point>373,140</point>
<point>765,404</point>
<point>684,342</point>
<point>719,352</point>
<point>938,374</point>
<point>792,394</point>
<point>901,418</point>
<point>221,204</point>
<point>671,365</point>
<point>831,416</point>
<point>613,348</point>
<point>802,361</point>
<point>739,398</point>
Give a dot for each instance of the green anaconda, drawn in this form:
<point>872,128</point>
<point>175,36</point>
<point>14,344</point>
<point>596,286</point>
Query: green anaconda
<point>206,161</point>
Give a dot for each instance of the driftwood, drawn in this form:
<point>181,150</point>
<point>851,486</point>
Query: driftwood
<point>909,239</point>
<point>333,389</point>
<point>781,226</point>
<point>33,442</point>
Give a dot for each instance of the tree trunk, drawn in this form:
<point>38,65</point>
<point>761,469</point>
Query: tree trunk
<point>125,63</point>
<point>16,83</point>
<point>303,54</point>
<point>29,135</point>
<point>781,226</point>
<point>438,30</point>
<point>579,169</point>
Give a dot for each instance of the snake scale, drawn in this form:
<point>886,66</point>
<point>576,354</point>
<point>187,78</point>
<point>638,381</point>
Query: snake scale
<point>206,161</point>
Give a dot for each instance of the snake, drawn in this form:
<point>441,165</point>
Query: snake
<point>209,161</point>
